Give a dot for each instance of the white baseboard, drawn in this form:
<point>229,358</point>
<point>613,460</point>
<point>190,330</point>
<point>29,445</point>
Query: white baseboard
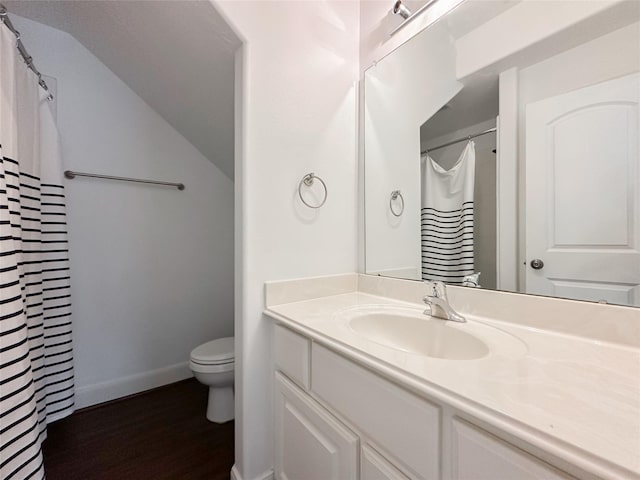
<point>234,473</point>
<point>121,387</point>
<point>268,475</point>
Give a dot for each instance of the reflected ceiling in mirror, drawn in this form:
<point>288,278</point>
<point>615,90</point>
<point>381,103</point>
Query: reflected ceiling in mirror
<point>514,146</point>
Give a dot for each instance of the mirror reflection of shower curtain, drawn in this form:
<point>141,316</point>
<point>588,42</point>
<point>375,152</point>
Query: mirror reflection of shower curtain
<point>36,355</point>
<point>447,218</point>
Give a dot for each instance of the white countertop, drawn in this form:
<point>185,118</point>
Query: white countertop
<point>581,395</point>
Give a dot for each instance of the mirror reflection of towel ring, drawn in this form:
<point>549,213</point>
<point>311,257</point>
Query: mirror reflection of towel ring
<point>308,180</point>
<point>394,196</point>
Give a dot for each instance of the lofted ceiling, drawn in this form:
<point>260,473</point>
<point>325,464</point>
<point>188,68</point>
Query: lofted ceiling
<point>470,15</point>
<point>475,103</point>
<point>177,56</point>
<point>478,99</point>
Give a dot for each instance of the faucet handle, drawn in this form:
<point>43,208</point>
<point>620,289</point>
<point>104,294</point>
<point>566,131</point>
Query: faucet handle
<point>439,290</point>
<point>436,290</point>
<point>439,304</point>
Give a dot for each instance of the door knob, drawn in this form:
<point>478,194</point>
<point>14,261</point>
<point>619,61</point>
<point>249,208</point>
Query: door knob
<point>537,264</point>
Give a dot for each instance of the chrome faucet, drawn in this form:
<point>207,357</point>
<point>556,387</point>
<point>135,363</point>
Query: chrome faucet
<point>439,304</point>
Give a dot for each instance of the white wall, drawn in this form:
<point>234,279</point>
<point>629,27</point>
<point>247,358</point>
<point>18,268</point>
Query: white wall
<point>375,42</point>
<point>610,56</point>
<point>402,91</point>
<point>535,28</point>
<point>297,114</point>
<point>152,268</point>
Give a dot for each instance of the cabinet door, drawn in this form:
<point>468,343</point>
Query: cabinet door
<point>403,425</point>
<point>310,443</point>
<point>376,467</point>
<point>478,455</point>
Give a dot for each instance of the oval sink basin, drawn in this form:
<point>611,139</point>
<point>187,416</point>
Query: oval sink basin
<point>423,335</point>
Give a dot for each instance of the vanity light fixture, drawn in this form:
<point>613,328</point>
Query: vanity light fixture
<point>401,9</point>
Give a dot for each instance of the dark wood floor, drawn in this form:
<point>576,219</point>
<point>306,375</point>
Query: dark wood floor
<point>161,434</point>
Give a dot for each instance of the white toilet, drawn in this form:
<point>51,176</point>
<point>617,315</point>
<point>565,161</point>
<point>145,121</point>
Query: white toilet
<point>212,364</point>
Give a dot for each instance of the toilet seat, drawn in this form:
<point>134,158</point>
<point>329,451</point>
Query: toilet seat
<point>216,352</point>
<point>204,368</point>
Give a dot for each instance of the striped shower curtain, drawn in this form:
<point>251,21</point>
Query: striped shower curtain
<point>36,359</point>
<point>447,240</point>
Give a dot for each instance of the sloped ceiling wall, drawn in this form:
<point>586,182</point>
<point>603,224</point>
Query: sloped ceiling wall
<point>177,56</point>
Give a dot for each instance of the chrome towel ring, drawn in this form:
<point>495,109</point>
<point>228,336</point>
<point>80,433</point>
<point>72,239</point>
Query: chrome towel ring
<point>307,181</point>
<point>395,195</point>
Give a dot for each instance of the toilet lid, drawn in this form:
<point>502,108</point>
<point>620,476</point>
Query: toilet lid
<point>214,352</point>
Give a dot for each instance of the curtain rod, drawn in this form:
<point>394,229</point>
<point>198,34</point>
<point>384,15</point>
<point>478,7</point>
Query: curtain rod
<point>4,18</point>
<point>71,175</point>
<point>468,137</point>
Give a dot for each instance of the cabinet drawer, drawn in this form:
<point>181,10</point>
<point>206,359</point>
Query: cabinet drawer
<point>402,424</point>
<point>479,455</point>
<point>374,466</point>
<point>291,353</point>
<point>310,443</point>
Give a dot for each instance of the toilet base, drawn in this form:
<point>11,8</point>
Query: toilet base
<point>220,408</point>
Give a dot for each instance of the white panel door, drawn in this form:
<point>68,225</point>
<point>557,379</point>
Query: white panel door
<point>310,443</point>
<point>583,194</point>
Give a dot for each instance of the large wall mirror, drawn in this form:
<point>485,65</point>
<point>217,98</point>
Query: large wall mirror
<point>501,150</point>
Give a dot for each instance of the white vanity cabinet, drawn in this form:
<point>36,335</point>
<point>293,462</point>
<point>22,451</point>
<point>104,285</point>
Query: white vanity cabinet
<point>310,443</point>
<point>374,466</point>
<point>478,455</point>
<point>336,419</point>
<point>405,427</point>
